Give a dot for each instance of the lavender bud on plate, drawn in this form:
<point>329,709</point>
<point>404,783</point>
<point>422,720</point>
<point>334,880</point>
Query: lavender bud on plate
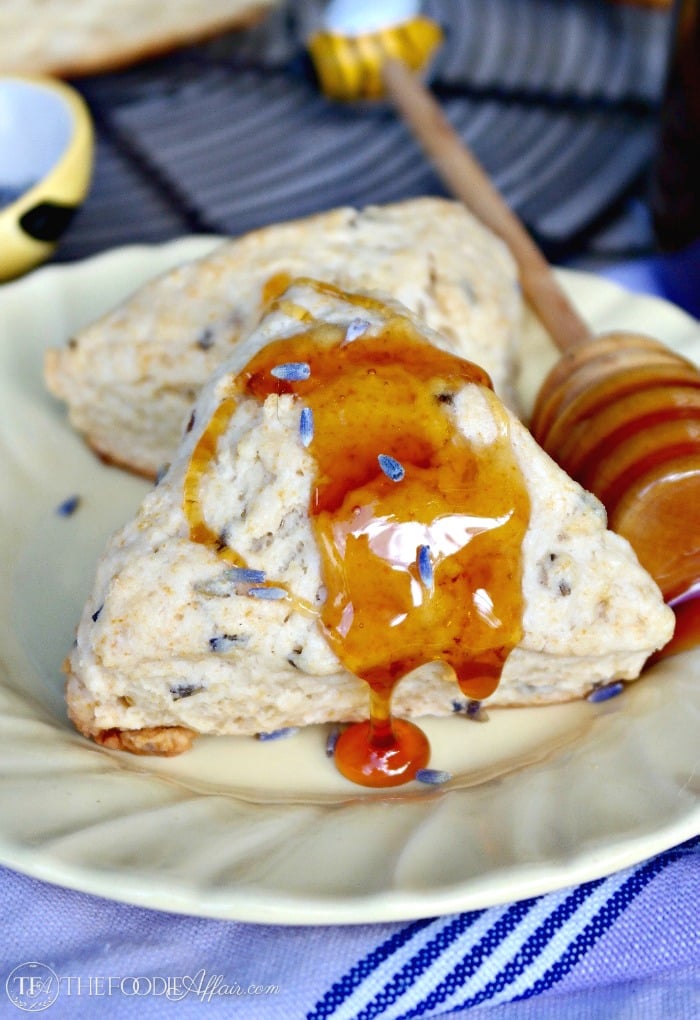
<point>68,507</point>
<point>433,777</point>
<point>286,731</point>
<point>606,691</point>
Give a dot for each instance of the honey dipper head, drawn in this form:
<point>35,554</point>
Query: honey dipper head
<point>355,40</point>
<point>621,415</point>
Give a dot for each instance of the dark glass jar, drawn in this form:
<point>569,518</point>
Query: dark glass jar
<point>675,198</point>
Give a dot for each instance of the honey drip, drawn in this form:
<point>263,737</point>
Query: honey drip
<point>418,569</point>
<point>273,288</point>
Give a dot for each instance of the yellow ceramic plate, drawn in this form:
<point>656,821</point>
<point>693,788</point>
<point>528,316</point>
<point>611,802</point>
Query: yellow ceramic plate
<point>269,832</point>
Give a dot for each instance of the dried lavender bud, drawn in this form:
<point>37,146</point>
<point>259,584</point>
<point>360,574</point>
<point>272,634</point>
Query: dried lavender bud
<point>244,575</point>
<point>270,593</point>
<point>225,642</point>
<point>332,740</point>
<point>179,691</point>
<point>433,777</point>
<point>606,691</point>
<point>224,585</point>
<point>68,506</point>
<point>292,371</point>
<point>425,566</point>
<point>391,467</point>
<point>355,328</point>
<point>306,425</point>
<point>471,710</point>
<point>286,731</point>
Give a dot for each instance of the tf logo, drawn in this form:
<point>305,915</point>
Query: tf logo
<point>32,987</point>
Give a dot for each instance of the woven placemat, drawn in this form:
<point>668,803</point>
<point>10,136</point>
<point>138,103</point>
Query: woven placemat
<point>558,98</point>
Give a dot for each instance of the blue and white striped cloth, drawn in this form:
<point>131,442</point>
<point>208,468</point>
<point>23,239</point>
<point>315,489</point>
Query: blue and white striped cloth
<point>623,946</point>
<point>490,957</point>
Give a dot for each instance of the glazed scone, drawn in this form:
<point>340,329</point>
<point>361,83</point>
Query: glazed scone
<point>172,643</point>
<point>130,378</point>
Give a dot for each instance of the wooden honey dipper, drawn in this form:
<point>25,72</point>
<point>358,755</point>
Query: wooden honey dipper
<point>621,412</point>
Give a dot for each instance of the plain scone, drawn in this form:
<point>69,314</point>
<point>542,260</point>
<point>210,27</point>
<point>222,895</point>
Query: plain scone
<point>168,647</point>
<point>130,378</point>
<point>66,38</point>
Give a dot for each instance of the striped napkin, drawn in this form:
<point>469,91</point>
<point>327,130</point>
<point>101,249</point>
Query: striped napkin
<point>622,946</point>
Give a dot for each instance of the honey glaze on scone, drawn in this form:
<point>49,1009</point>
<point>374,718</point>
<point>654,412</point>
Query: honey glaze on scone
<point>420,532</point>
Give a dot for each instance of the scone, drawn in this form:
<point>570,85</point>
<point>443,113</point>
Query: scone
<point>348,500</point>
<point>130,379</point>
<point>66,38</point>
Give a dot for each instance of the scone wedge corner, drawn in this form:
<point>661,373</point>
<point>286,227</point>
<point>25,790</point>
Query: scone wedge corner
<point>172,642</point>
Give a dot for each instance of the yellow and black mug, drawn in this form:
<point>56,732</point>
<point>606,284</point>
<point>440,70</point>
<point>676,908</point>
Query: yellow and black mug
<point>46,157</point>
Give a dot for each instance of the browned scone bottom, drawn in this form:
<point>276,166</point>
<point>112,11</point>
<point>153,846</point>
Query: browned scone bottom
<point>166,741</point>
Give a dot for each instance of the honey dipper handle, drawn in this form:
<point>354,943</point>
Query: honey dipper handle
<point>471,185</point>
